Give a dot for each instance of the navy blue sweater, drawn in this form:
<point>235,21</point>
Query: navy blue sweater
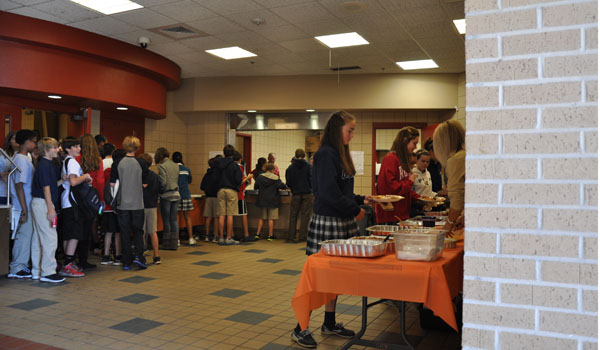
<point>298,176</point>
<point>332,187</point>
<point>210,182</point>
<point>230,174</point>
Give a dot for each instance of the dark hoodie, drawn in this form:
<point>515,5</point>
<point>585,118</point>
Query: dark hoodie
<point>210,182</point>
<point>298,176</point>
<point>229,173</point>
<point>268,185</point>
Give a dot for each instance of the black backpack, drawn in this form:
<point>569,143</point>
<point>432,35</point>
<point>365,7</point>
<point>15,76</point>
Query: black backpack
<point>85,197</point>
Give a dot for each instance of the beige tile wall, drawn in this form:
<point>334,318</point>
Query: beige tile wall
<point>531,259</point>
<point>283,143</point>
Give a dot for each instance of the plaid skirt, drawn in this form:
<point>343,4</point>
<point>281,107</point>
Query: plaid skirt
<point>185,204</point>
<point>322,228</point>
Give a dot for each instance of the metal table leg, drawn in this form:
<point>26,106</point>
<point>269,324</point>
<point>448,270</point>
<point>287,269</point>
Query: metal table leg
<point>377,344</point>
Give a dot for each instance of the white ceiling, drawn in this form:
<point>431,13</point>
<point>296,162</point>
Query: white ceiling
<point>397,30</point>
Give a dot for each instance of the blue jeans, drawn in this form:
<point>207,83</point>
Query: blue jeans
<point>168,213</point>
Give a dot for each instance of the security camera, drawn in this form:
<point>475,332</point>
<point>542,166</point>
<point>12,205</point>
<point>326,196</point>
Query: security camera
<point>143,41</point>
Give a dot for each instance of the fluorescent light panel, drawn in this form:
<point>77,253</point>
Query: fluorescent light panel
<point>230,53</point>
<point>420,64</point>
<point>55,97</point>
<point>460,25</point>
<point>310,110</point>
<point>122,108</point>
<point>342,40</point>
<point>109,7</point>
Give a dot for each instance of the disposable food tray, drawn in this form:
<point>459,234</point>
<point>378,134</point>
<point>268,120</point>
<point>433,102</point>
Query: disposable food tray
<point>358,248</point>
<point>382,230</point>
<point>419,244</point>
<point>389,244</point>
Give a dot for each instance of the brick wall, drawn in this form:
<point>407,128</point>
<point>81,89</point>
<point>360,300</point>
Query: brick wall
<point>531,277</point>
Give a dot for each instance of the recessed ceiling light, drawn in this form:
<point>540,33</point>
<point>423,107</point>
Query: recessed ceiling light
<point>460,25</point>
<point>420,64</point>
<point>310,110</point>
<point>56,97</point>
<point>251,111</point>
<point>109,7</point>
<point>342,40</point>
<point>122,108</point>
<point>230,53</point>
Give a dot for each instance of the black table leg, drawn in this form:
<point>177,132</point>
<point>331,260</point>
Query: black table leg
<point>356,340</point>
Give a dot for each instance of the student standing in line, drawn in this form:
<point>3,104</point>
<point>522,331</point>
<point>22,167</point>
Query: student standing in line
<point>395,176</point>
<point>109,222</point>
<point>336,207</point>
<point>185,204</point>
<point>72,219</point>
<point>5,166</point>
<point>268,185</point>
<point>298,177</point>
<point>260,167</point>
<point>21,201</point>
<point>230,177</point>
<point>242,208</point>
<point>168,172</point>
<point>271,159</point>
<point>132,174</point>
<point>44,191</point>
<point>151,193</point>
<point>210,186</point>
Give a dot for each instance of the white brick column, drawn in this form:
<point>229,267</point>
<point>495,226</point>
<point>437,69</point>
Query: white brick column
<point>531,258</point>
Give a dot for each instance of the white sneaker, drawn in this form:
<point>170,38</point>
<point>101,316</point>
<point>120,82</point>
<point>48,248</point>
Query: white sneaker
<point>206,239</point>
<point>192,241</point>
<point>178,243</point>
<point>231,241</point>
<point>215,240</point>
<point>35,277</point>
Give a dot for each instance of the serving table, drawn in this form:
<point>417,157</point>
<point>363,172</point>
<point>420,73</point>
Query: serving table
<point>434,284</point>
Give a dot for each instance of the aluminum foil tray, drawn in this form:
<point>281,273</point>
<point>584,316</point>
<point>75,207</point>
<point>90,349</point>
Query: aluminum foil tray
<point>383,230</point>
<point>358,248</point>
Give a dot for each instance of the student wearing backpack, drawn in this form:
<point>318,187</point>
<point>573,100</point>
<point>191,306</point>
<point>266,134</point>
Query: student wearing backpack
<point>21,201</point>
<point>72,221</point>
<point>132,174</point>
<point>109,222</point>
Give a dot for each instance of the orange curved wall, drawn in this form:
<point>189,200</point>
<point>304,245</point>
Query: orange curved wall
<point>41,56</point>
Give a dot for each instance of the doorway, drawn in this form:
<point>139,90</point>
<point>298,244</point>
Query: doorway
<point>243,143</point>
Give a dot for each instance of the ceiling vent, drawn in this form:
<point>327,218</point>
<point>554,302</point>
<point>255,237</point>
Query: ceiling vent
<point>339,69</point>
<point>179,32</point>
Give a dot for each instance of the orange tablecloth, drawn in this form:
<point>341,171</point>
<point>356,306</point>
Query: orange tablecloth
<point>432,283</point>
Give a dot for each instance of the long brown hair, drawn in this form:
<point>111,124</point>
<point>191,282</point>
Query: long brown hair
<point>402,139</point>
<point>90,157</point>
<point>332,136</point>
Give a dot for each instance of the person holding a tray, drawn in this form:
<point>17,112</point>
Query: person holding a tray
<point>395,177</point>
<point>449,142</point>
<point>336,207</point>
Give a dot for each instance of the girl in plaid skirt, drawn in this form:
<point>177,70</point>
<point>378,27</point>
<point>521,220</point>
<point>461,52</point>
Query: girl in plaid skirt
<point>336,207</point>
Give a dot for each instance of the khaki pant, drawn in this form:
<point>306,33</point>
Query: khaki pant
<point>228,201</point>
<point>44,241</point>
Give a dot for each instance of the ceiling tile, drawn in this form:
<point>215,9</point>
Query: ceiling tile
<point>151,3</point>
<point>243,39</point>
<point>279,3</point>
<point>245,19</point>
<point>184,11</point>
<point>303,45</point>
<point>433,29</point>
<point>418,15</point>
<point>144,18</point>
<point>324,27</point>
<point>31,12</point>
<point>205,43</point>
<point>8,5</point>
<point>455,10</point>
<point>283,33</point>
<point>28,2</point>
<point>69,11</point>
<point>345,8</point>
<point>303,12</point>
<point>105,25</point>
<point>391,5</point>
<point>217,25</point>
<point>228,7</point>
<point>170,48</point>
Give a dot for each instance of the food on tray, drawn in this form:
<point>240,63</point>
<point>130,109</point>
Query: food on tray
<point>386,198</point>
<point>358,248</point>
<point>449,243</point>
<point>382,230</point>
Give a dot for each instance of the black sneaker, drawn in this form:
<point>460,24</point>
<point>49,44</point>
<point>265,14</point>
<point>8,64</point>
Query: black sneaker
<point>338,330</point>
<point>250,239</point>
<point>117,261</point>
<point>106,260</point>
<point>156,260</point>
<point>55,278</point>
<point>304,338</point>
<point>141,264</point>
<point>25,273</point>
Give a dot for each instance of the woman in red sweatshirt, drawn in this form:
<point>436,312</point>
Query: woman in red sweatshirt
<point>395,176</point>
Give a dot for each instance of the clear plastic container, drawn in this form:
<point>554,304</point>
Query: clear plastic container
<point>420,244</point>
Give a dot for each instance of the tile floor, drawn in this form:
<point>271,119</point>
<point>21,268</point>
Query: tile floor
<point>201,297</point>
